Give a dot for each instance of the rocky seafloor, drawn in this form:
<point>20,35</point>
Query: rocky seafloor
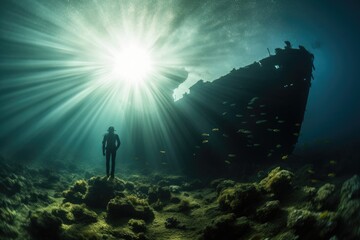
<point>276,204</point>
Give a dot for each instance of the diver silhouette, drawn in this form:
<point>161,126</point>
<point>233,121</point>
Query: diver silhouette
<point>110,145</point>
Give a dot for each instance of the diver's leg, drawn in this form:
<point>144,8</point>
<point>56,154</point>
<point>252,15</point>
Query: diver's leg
<point>113,156</point>
<point>107,162</point>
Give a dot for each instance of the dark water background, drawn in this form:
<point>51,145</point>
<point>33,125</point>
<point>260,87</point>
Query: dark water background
<point>42,117</point>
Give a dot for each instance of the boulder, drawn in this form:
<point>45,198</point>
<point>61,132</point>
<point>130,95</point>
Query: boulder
<point>44,225</point>
<point>349,208</point>
<point>101,190</point>
<point>268,211</point>
<point>76,193</point>
<point>137,225</point>
<point>226,227</point>
<point>83,215</point>
<point>240,198</point>
<point>277,181</point>
<point>129,207</point>
<point>325,197</point>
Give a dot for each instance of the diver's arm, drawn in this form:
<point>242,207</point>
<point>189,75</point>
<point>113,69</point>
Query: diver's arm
<point>103,144</point>
<point>117,141</point>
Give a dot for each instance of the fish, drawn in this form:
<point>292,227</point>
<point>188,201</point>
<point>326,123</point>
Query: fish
<point>225,135</point>
<point>197,146</point>
<point>252,115</point>
<point>231,155</point>
<point>331,175</point>
<point>215,129</point>
<point>224,113</point>
<point>332,162</point>
<point>243,131</point>
<point>248,107</point>
<point>296,134</point>
<point>269,154</point>
<point>278,146</point>
<point>314,180</point>
<point>233,105</point>
<point>238,115</point>
<point>276,130</point>
<point>297,124</point>
<point>227,161</point>
<point>285,157</point>
<point>262,105</point>
<point>253,100</point>
<point>224,102</point>
<point>281,121</point>
<point>244,122</point>
<point>256,144</point>
<point>205,134</point>
<point>205,141</point>
<point>310,171</point>
<point>162,151</point>
<point>260,121</point>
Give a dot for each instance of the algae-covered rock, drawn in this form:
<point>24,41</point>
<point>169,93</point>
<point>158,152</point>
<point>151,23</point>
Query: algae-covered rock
<point>277,181</point>
<point>101,190</point>
<point>44,225</point>
<point>349,208</point>
<point>240,198</point>
<point>7,230</point>
<point>301,220</point>
<point>137,225</point>
<point>129,207</point>
<point>83,215</point>
<point>226,227</point>
<point>76,193</point>
<point>268,211</point>
<point>325,197</point>
<point>159,193</point>
<point>225,184</point>
<point>326,224</point>
<point>173,222</point>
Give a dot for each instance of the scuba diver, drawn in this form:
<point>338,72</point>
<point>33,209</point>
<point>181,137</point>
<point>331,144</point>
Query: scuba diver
<point>110,143</point>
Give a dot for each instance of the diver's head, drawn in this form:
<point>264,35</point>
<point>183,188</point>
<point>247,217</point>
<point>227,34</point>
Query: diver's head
<point>111,129</point>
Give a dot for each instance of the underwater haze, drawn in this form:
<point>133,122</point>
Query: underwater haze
<point>230,114</point>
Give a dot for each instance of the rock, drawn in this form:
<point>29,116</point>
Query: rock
<point>349,208</point>
<point>101,190</point>
<point>76,193</point>
<point>11,185</point>
<point>137,225</point>
<point>83,215</point>
<point>192,185</point>
<point>277,181</point>
<point>174,188</point>
<point>240,198</point>
<point>225,184</point>
<point>311,225</point>
<point>226,227</point>
<point>326,224</point>
<point>301,220</point>
<point>7,230</point>
<point>173,222</point>
<point>130,186</point>
<point>129,207</point>
<point>45,225</point>
<point>325,197</point>
<point>268,211</point>
<point>159,193</point>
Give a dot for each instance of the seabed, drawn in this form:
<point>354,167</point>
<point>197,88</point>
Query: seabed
<point>278,202</point>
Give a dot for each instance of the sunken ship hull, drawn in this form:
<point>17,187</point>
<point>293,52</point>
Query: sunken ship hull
<point>252,114</point>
